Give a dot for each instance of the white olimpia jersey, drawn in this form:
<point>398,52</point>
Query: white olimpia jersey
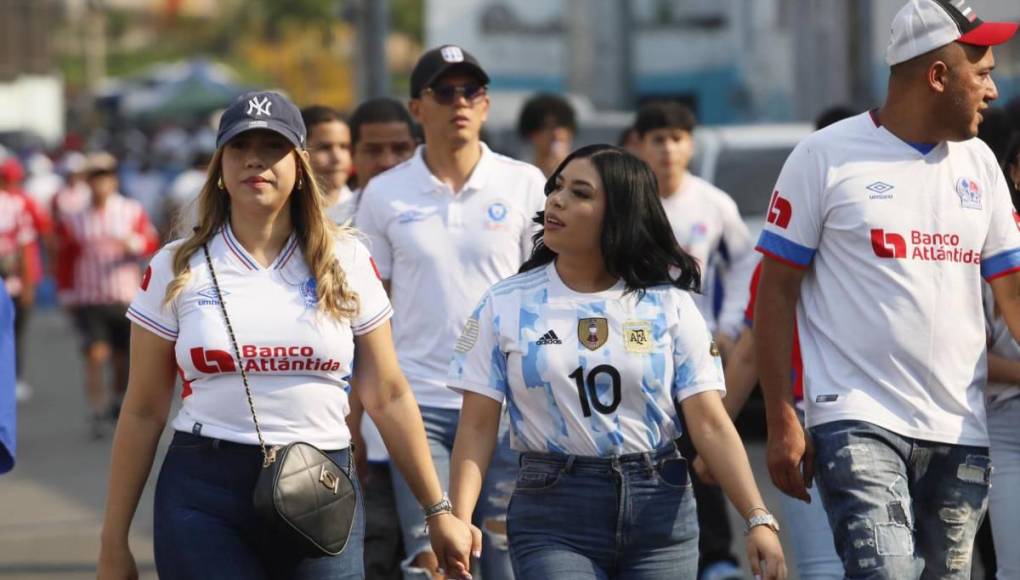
<point>586,374</point>
<point>298,359</point>
<point>894,242</point>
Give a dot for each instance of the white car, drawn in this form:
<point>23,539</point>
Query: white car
<point>744,161</point>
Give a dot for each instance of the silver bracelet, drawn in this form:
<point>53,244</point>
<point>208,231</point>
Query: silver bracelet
<point>442,506</point>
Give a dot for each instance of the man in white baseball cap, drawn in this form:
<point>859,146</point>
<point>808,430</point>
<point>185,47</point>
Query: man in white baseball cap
<point>880,230</point>
<point>924,25</point>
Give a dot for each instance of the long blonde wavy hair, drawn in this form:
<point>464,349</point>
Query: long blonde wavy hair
<point>314,231</point>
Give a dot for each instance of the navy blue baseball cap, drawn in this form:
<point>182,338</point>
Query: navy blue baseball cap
<point>262,110</point>
<point>441,60</point>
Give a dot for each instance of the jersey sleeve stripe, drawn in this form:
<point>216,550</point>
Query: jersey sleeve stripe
<point>784,250</point>
<point>461,386</point>
<point>778,258</point>
<point>150,324</point>
<point>1001,264</point>
<point>698,388</point>
<point>373,322</point>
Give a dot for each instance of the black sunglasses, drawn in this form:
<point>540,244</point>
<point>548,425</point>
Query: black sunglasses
<point>447,94</point>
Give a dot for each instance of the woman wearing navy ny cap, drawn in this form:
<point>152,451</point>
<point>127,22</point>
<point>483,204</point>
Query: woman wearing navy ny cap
<point>300,294</point>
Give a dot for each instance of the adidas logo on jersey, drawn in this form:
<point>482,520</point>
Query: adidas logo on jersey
<point>549,338</point>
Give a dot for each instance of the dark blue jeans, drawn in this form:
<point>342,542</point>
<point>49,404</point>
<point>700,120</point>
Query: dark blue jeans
<point>579,518</point>
<point>206,525</point>
<point>900,508</point>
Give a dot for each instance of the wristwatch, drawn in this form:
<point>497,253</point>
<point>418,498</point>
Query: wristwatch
<point>442,506</point>
<point>762,519</point>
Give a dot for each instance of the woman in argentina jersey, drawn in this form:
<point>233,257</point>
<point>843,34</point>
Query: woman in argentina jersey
<point>592,346</point>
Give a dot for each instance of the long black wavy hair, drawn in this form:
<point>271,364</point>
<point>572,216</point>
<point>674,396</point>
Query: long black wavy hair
<point>637,243</point>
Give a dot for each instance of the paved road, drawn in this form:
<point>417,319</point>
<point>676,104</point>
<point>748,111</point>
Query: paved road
<point>51,505</point>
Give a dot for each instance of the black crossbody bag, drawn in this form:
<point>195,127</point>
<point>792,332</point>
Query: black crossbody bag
<point>301,493</point>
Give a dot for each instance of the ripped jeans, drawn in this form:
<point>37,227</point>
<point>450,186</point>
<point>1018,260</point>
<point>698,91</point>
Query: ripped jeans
<point>900,508</point>
<point>440,430</point>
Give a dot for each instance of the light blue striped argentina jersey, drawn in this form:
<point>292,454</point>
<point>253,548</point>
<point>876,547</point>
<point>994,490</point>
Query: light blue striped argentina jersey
<point>586,374</point>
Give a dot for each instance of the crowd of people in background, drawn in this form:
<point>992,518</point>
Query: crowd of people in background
<point>449,223</point>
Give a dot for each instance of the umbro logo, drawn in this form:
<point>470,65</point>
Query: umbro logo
<point>879,190</point>
<point>549,338</point>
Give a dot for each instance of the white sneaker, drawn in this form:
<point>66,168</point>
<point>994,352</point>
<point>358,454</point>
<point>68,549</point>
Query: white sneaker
<point>22,391</point>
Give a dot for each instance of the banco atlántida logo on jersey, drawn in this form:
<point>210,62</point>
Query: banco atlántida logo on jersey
<point>922,246</point>
<point>262,359</point>
<point>780,211</point>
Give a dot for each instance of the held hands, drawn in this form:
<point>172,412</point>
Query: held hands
<point>453,542</point>
<point>765,554</point>
<point>789,452</point>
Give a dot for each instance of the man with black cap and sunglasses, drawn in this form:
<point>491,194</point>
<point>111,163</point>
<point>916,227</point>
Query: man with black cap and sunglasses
<point>444,226</point>
<point>879,231</point>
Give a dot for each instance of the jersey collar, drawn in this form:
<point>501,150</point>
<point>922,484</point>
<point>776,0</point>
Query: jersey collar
<point>429,183</point>
<point>557,289</point>
<point>237,251</point>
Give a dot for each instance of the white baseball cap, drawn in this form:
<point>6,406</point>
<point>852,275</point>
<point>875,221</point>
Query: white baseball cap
<point>924,25</point>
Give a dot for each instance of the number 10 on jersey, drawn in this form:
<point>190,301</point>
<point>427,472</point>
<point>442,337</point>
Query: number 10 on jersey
<point>588,393</point>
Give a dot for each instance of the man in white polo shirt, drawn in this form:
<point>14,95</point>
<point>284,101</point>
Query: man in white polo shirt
<point>445,226</point>
<point>882,226</point>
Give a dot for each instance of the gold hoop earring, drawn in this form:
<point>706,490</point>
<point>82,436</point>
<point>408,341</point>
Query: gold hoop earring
<point>219,182</point>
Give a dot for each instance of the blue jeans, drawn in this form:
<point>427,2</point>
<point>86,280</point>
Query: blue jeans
<point>206,526</point>
<point>440,430</point>
<point>1004,432</point>
<point>633,517</point>
<point>900,508</point>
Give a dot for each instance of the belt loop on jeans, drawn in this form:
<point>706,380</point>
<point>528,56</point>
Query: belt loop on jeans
<point>568,467</point>
<point>649,461</point>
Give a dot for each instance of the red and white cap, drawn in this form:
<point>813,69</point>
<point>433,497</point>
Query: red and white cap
<point>924,25</point>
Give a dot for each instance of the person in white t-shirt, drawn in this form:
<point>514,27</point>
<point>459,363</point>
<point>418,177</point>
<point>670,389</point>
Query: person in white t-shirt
<point>443,227</point>
<point>262,239</point>
<point>593,352</point>
<point>705,219</point>
<point>382,136</point>
<point>708,225</point>
<point>329,150</point>
<point>879,231</point>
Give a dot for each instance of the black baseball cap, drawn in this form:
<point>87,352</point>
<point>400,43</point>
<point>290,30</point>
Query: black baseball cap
<point>441,60</point>
<point>262,110</point>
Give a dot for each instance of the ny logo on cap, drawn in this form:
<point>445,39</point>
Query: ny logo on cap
<point>259,108</point>
<point>452,54</point>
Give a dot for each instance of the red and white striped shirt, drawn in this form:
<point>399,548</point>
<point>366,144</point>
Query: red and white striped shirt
<point>106,246</point>
<point>16,232</point>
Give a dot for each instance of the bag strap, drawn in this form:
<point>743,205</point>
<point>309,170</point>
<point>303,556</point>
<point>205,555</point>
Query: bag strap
<point>268,453</point>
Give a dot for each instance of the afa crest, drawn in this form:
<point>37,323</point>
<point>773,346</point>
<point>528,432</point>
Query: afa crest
<point>637,336</point>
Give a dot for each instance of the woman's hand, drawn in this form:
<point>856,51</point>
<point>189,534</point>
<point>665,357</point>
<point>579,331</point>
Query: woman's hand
<point>765,554</point>
<point>453,543</point>
<point>116,563</point>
